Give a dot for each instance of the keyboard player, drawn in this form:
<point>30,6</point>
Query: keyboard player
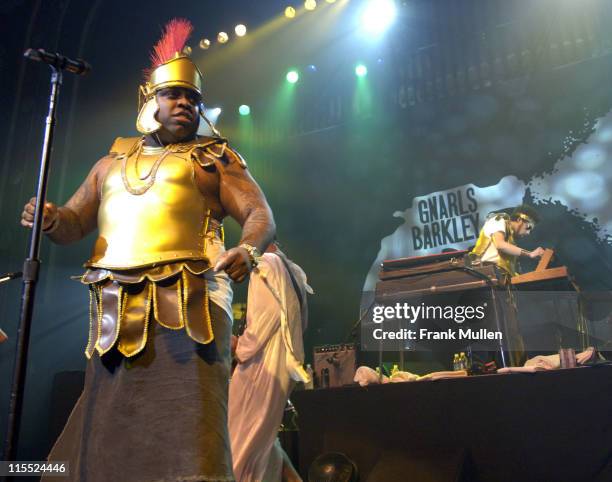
<point>496,244</point>
<point>497,239</point>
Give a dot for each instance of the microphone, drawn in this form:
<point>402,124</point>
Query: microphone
<point>78,66</point>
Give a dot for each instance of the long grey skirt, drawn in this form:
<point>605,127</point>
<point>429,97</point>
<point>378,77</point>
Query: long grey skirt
<point>158,416</point>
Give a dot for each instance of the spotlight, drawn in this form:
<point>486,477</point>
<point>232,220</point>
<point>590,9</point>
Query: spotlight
<point>240,30</point>
<point>244,109</point>
<point>292,76</point>
<point>310,4</point>
<point>213,114</point>
<point>204,44</point>
<point>290,12</point>
<point>312,68</point>
<point>361,70</point>
<point>378,15</point>
<point>222,37</point>
<point>187,50</point>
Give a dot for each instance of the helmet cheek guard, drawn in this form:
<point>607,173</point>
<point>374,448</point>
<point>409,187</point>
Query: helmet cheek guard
<point>146,123</point>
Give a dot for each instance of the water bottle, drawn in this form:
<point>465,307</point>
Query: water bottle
<point>309,385</point>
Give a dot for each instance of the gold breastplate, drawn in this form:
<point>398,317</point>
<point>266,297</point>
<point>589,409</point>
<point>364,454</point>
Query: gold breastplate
<point>151,211</point>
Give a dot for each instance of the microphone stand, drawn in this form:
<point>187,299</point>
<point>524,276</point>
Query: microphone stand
<point>31,268</point>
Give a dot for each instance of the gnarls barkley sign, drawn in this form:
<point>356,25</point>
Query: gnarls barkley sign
<point>449,219</point>
<point>444,219</point>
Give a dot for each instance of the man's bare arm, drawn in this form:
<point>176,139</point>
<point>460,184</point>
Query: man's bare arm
<point>244,201</point>
<point>499,239</point>
<point>78,217</point>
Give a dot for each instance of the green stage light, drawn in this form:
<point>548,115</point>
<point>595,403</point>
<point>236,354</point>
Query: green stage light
<point>361,70</point>
<point>293,76</point>
<point>244,109</point>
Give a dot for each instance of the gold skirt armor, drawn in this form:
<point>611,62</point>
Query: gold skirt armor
<point>123,303</point>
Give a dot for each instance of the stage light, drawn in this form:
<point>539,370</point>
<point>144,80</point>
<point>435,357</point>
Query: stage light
<point>310,4</point>
<point>361,70</point>
<point>290,12</point>
<point>187,50</point>
<point>244,109</point>
<point>378,15</point>
<point>240,30</point>
<point>312,68</point>
<point>204,44</point>
<point>222,37</point>
<point>292,76</point>
<point>213,114</point>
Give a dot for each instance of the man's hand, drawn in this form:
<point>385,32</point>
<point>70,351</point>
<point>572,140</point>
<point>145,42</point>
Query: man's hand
<point>236,263</point>
<point>50,214</point>
<point>536,253</point>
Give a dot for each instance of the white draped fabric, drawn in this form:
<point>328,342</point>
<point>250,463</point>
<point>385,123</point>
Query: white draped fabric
<point>270,354</point>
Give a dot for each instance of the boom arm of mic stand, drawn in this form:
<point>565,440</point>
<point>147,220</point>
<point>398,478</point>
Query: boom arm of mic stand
<point>352,333</point>
<point>9,276</point>
<point>3,279</point>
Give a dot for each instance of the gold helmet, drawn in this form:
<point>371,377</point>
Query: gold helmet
<point>170,68</point>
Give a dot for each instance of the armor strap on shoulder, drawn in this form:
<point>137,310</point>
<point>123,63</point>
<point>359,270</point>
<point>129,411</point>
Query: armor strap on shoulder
<point>217,149</point>
<point>123,145</point>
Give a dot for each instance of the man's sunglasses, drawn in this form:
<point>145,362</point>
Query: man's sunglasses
<point>529,224</point>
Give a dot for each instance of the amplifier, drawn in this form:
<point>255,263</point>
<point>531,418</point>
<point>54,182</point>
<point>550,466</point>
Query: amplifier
<point>334,365</point>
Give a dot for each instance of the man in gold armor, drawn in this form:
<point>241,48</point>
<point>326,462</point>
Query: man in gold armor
<point>154,405</point>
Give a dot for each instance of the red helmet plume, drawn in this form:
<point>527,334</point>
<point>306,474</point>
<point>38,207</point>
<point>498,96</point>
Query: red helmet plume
<point>173,40</point>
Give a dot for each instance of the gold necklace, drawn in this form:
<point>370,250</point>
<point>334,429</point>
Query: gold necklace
<point>137,191</point>
<point>149,151</point>
<point>136,169</point>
